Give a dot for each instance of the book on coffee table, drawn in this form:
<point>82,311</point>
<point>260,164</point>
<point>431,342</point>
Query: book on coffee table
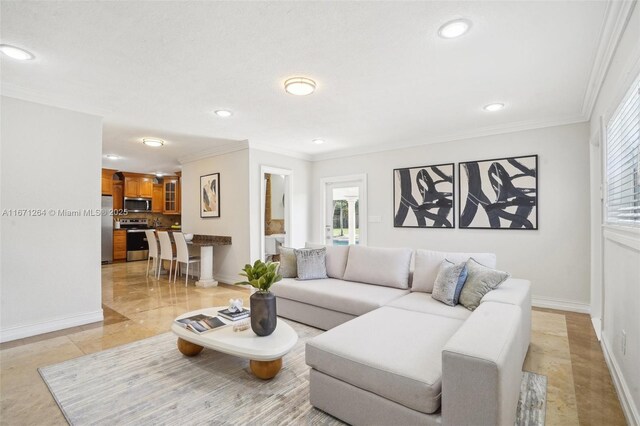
<point>200,323</point>
<point>234,316</point>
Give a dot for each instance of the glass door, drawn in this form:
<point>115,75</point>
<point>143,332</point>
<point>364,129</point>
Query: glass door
<point>342,213</point>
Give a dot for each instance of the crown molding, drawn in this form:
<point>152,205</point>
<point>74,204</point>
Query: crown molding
<point>282,151</point>
<point>615,21</point>
<point>482,132</point>
<point>11,90</point>
<point>215,151</point>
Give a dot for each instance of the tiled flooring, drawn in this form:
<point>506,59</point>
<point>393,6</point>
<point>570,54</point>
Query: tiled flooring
<point>563,347</point>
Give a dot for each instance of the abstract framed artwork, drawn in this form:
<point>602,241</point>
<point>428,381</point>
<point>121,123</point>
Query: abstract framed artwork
<point>499,194</point>
<point>210,195</point>
<point>423,197</point>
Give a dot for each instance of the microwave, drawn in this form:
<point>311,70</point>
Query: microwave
<point>137,204</point>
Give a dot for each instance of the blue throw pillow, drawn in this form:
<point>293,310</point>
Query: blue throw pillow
<point>461,280</point>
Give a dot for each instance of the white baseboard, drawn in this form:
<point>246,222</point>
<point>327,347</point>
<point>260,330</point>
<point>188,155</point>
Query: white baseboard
<point>227,279</point>
<point>626,399</point>
<point>560,304</point>
<point>27,330</point>
<point>597,326</point>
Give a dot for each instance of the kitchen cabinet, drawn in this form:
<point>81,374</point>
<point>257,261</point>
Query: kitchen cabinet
<point>118,195</point>
<point>138,186</point>
<point>119,244</point>
<point>107,181</point>
<point>157,200</point>
<point>171,195</point>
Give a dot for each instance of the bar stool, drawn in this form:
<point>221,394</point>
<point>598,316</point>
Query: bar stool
<point>153,251</point>
<point>166,251</point>
<point>183,255</point>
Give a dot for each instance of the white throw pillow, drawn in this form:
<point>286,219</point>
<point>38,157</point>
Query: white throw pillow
<point>428,263</point>
<point>336,259</point>
<point>381,266</point>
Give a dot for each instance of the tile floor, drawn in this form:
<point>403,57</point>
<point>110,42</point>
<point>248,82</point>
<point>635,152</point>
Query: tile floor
<point>563,347</point>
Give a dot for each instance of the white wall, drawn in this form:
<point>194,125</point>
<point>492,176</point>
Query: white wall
<point>300,198</point>
<point>555,257</point>
<point>616,251</point>
<point>234,209</point>
<point>50,276</point>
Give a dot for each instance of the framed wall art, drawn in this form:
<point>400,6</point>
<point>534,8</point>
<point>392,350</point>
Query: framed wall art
<point>499,194</point>
<point>423,197</point>
<point>210,195</point>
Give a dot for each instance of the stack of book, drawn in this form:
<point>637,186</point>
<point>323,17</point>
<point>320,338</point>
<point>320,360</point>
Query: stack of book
<point>234,316</point>
<point>200,323</point>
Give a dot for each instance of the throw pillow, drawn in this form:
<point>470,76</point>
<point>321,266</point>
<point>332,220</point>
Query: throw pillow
<point>480,281</point>
<point>444,288</point>
<point>461,280</point>
<point>311,263</point>
<point>288,263</point>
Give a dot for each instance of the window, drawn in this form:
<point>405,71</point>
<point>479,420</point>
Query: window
<point>623,161</point>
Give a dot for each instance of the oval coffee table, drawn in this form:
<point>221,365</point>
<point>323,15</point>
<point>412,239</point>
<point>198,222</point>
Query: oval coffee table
<point>265,353</point>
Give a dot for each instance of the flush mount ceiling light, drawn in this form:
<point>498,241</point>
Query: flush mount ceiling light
<point>153,142</point>
<point>16,53</point>
<point>159,174</point>
<point>318,141</point>
<point>112,157</point>
<point>300,86</point>
<point>223,113</point>
<point>493,107</point>
<point>455,28</point>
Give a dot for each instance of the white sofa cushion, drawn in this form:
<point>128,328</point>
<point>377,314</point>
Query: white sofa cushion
<point>336,259</point>
<point>380,266</point>
<point>423,302</point>
<point>337,295</point>
<point>427,264</point>
<point>389,352</point>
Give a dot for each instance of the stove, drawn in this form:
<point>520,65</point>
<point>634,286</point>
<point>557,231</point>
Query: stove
<point>137,244</point>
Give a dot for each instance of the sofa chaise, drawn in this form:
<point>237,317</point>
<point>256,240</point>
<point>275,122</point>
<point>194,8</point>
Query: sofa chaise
<point>394,355</point>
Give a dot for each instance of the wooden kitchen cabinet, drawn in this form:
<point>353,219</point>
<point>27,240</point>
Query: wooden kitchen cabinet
<point>119,244</point>
<point>107,181</point>
<point>131,187</point>
<point>157,200</point>
<point>118,195</point>
<point>137,185</point>
<point>171,195</point>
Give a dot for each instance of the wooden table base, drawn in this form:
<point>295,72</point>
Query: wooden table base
<point>188,348</point>
<point>266,370</point>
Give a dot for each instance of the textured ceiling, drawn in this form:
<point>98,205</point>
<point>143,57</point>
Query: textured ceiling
<point>383,74</point>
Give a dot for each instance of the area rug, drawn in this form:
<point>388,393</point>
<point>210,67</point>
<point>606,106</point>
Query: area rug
<point>149,382</point>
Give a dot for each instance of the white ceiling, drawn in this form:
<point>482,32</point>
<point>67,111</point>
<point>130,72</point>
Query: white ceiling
<point>384,76</point>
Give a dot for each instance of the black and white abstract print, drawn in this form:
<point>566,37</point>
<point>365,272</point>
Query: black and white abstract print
<point>423,197</point>
<point>499,194</point>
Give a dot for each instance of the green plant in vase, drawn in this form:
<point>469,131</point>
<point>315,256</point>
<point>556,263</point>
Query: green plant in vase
<point>262,303</point>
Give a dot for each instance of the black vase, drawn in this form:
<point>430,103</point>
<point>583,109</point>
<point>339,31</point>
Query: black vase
<point>263,313</point>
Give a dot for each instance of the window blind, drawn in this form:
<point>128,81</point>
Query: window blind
<point>623,161</point>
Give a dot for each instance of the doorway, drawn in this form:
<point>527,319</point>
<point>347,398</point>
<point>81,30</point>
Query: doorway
<point>345,210</point>
<point>275,202</point>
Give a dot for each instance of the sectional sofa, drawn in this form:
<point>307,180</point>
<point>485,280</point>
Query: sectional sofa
<point>394,355</point>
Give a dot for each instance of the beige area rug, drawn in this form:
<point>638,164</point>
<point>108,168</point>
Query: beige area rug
<point>150,383</point>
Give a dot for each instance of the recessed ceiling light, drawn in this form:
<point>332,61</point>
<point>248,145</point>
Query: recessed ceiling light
<point>16,53</point>
<point>493,107</point>
<point>112,156</point>
<point>318,141</point>
<point>300,86</point>
<point>455,28</point>
<point>159,174</point>
<point>153,142</point>
<point>223,113</point>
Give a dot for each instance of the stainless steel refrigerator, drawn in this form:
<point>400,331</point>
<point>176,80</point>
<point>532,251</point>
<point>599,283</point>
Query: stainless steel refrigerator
<point>107,229</point>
